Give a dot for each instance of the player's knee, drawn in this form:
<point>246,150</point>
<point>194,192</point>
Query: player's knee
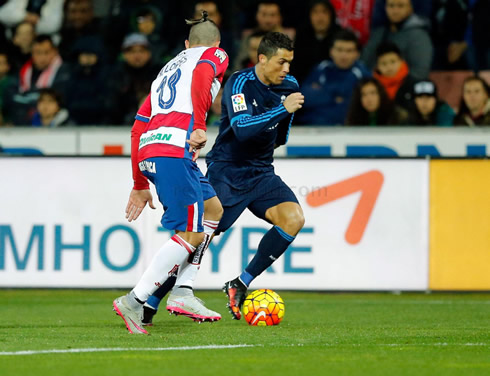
<point>213,210</point>
<point>298,221</point>
<point>193,238</point>
<point>293,222</point>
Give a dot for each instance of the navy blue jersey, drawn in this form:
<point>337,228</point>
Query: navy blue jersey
<point>253,120</point>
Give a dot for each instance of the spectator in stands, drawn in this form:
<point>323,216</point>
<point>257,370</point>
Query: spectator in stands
<point>6,80</point>
<point>87,98</point>
<point>228,40</point>
<point>409,32</point>
<point>44,70</point>
<point>45,16</point>
<point>50,112</point>
<point>148,25</point>
<point>268,18</point>
<point>328,88</point>
<point>355,15</point>
<point>475,103</point>
<point>131,79</point>
<point>251,59</point>
<point>371,106</point>
<point>427,109</point>
<point>122,21</point>
<point>21,46</point>
<point>449,21</point>
<point>422,8</point>
<point>393,73</point>
<point>313,42</point>
<point>79,22</point>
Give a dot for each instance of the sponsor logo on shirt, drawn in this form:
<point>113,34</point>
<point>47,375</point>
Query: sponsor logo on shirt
<point>239,103</point>
<point>220,55</point>
<point>155,137</point>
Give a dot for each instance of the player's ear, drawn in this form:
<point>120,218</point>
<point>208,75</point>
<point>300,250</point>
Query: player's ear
<point>262,59</point>
<point>186,43</point>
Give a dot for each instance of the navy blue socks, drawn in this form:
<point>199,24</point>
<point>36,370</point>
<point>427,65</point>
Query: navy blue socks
<point>271,247</point>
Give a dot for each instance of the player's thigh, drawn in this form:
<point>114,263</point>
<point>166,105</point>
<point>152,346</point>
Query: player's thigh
<point>213,210</point>
<point>179,190</point>
<point>278,205</point>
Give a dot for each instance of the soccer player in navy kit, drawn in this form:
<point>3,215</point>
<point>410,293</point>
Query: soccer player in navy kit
<point>258,107</point>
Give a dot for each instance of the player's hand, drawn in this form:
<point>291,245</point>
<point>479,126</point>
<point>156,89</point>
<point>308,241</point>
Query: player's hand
<point>197,141</point>
<point>294,102</point>
<point>137,202</point>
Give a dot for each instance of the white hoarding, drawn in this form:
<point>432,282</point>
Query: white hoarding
<point>62,225</point>
<point>303,141</point>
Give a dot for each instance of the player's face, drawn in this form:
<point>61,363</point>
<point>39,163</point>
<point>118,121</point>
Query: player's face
<point>425,104</point>
<point>276,68</point>
<point>474,95</point>
<point>320,18</point>
<point>370,97</point>
<point>344,53</point>
<point>398,10</point>
<point>389,64</point>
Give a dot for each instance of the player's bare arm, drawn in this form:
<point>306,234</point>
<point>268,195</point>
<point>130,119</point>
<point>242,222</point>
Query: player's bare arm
<point>294,102</point>
<point>137,202</point>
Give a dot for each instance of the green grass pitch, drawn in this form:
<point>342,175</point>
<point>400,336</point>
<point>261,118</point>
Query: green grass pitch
<point>321,334</point>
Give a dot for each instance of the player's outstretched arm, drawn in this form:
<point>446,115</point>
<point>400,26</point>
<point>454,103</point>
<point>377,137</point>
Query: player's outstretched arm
<point>137,202</point>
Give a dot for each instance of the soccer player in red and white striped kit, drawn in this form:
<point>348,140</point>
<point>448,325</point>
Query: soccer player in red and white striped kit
<point>168,132</point>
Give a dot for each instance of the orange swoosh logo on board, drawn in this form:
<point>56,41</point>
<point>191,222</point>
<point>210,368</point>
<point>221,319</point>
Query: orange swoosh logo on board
<point>369,184</point>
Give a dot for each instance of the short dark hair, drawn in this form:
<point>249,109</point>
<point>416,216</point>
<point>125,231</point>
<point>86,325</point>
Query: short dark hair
<point>43,38</point>
<point>273,41</point>
<point>387,48</point>
<point>347,36</point>
<point>51,93</point>
<point>269,2</point>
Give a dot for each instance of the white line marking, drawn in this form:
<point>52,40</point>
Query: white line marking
<point>111,349</point>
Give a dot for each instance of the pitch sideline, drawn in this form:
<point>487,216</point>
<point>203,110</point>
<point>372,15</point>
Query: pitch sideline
<point>115,349</point>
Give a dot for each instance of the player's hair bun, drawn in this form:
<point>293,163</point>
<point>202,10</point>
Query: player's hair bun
<point>203,18</point>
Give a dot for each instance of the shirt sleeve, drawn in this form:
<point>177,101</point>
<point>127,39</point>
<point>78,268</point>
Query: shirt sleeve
<point>140,123</point>
<point>212,64</point>
<point>244,123</point>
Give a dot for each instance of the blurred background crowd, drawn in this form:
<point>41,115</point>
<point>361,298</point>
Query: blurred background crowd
<point>358,62</point>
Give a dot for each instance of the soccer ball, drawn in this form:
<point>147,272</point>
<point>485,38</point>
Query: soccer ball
<point>263,308</point>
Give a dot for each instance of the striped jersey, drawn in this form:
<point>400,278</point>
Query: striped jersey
<point>168,110</point>
<point>253,121</point>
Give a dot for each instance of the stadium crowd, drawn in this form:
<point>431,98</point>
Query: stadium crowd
<point>358,62</point>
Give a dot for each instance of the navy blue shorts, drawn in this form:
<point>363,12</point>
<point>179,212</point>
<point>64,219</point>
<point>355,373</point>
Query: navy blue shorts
<point>182,190</point>
<point>264,190</point>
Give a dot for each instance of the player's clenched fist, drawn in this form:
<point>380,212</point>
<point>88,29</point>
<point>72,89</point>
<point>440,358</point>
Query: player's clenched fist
<point>294,102</point>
